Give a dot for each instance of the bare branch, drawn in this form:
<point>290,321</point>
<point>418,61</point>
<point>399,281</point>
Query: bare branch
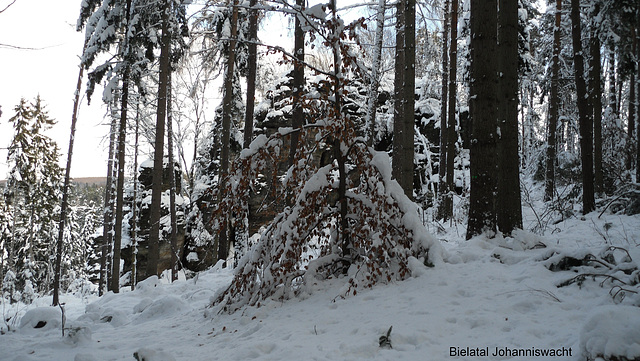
<point>8,6</point>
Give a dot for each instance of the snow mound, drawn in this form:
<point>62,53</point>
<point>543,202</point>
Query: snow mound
<point>41,318</point>
<point>160,308</point>
<point>147,354</point>
<point>612,333</point>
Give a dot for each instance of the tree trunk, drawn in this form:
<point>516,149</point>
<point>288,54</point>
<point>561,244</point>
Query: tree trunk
<point>398,95</point>
<point>297,119</point>
<point>251,75</point>
<point>443,189</point>
<point>158,154</point>
<point>595,70</point>
<point>122,136</point>
<point>554,103</point>
<point>107,235</point>
<point>409,96</point>
<point>510,211</point>
<point>631,127</point>
<point>375,76</point>
<point>585,120</point>
<point>452,136</point>
<point>227,106</point>
<point>65,189</point>
<point>172,188</point>
<point>483,152</point>
<point>638,97</point>
<point>134,215</point>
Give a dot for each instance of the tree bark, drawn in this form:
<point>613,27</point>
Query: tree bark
<point>409,96</point>
<point>452,136</point>
<point>631,127</point>
<point>65,189</point>
<point>595,71</point>
<point>122,135</point>
<point>554,103</point>
<point>443,189</point>
<point>510,211</point>
<point>483,152</point>
<point>297,119</point>
<point>398,95</point>
<point>172,188</point>
<point>585,120</point>
<point>107,236</point>
<point>134,215</point>
<point>375,76</point>
<point>251,74</point>
<point>227,105</point>
<point>158,154</point>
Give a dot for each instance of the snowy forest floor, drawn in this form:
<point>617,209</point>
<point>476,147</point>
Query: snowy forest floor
<point>487,294</point>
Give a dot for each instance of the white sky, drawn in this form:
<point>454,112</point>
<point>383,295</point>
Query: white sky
<point>51,72</point>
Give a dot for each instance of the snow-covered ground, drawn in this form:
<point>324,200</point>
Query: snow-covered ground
<point>488,295</point>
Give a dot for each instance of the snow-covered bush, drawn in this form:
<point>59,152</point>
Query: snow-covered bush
<point>345,215</point>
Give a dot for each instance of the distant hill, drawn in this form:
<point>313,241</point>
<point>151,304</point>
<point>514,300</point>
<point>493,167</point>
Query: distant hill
<point>90,180</point>
<point>79,181</point>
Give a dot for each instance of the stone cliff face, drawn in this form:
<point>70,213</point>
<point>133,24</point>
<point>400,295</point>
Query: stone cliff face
<point>145,179</point>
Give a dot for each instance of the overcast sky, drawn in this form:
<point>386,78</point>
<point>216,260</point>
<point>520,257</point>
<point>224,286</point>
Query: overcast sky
<point>50,71</point>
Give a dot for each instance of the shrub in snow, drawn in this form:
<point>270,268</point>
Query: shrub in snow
<point>41,318</point>
<point>346,216</point>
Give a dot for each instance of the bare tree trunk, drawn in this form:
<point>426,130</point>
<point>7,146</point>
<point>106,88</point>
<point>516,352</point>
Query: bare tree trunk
<point>554,103</point>
<point>172,188</point>
<point>398,95</point>
<point>595,71</point>
<point>638,98</point>
<point>338,142</point>
<point>375,76</point>
<point>298,83</point>
<point>251,74</point>
<point>452,136</point>
<point>134,216</point>
<point>509,212</point>
<point>158,155</point>
<point>107,236</point>
<point>443,189</point>
<point>227,105</point>
<point>409,96</point>
<point>122,135</point>
<point>65,189</point>
<point>632,106</point>
<point>585,119</point>
<point>483,152</point>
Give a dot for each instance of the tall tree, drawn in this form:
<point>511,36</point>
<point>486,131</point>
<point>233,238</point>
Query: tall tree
<point>585,119</point>
<point>375,75</point>
<point>172,187</point>
<point>443,188</point>
<point>483,152</point>
<point>227,106</point>
<point>404,97</point>
<point>631,127</point>
<point>554,103</point>
<point>65,187</point>
<point>510,211</point>
<point>451,137</point>
<point>297,119</point>
<point>252,61</point>
<point>158,154</point>
<point>595,96</point>
<point>638,95</point>
<point>122,138</point>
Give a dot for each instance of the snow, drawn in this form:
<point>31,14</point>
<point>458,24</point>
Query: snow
<point>485,294</point>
